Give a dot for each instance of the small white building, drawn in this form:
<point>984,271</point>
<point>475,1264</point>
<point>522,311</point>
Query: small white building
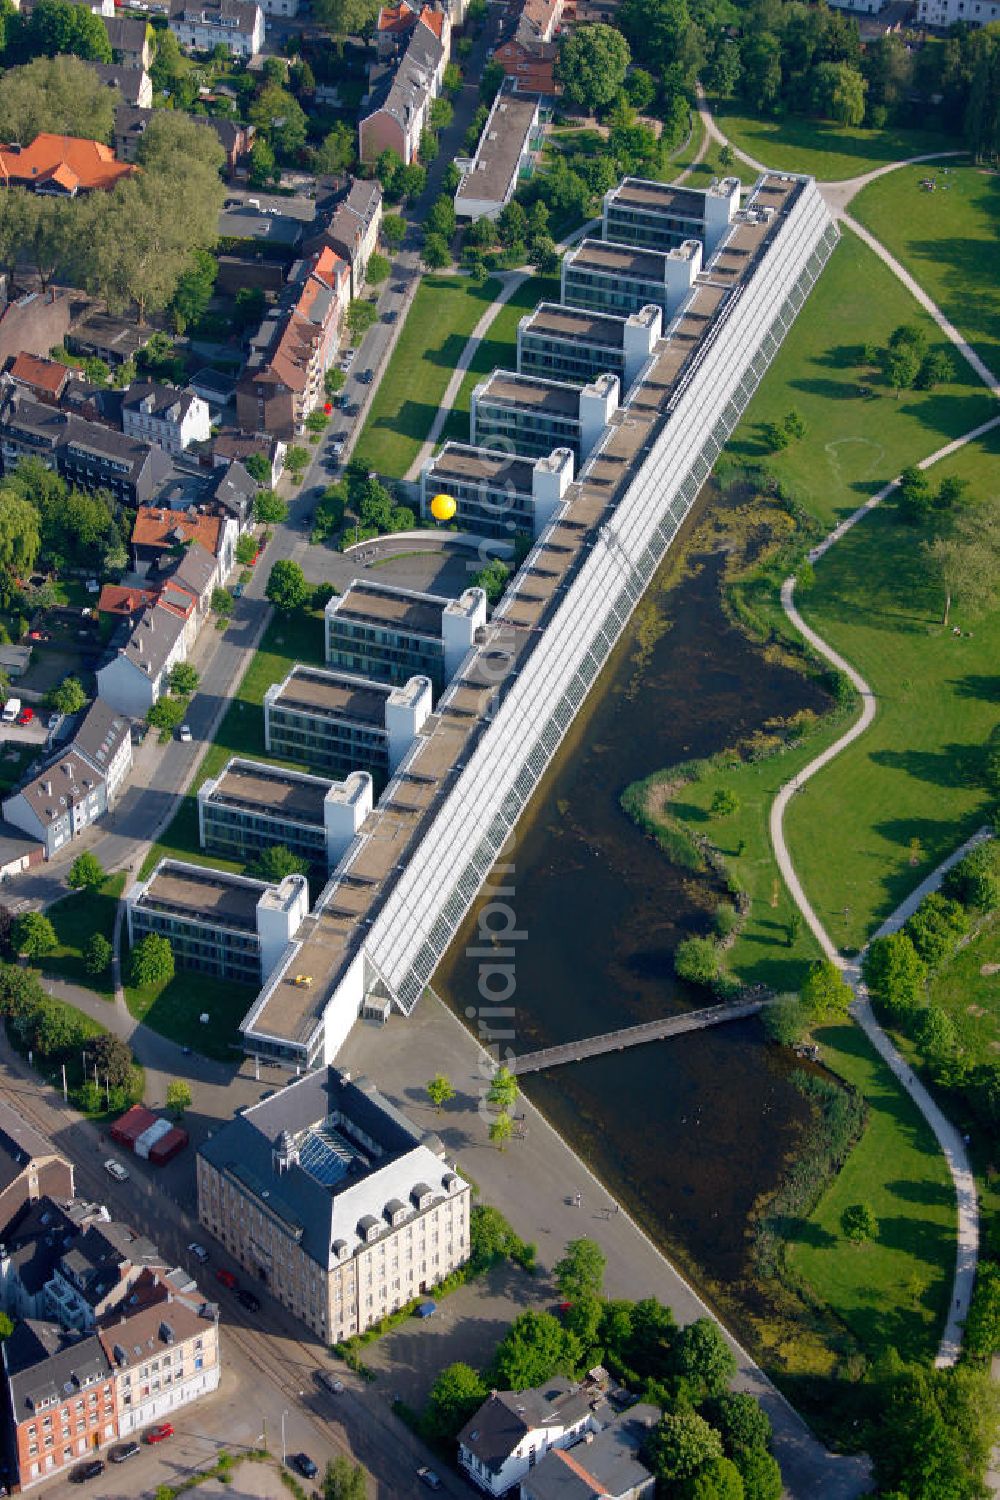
<point>203,24</point>
<point>173,419</point>
<point>134,680</point>
<point>944,12</point>
<point>504,149</point>
<point>513,1430</point>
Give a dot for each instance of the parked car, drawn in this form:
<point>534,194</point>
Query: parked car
<point>248,1300</point>
<point>427,1309</point>
<point>159,1433</point>
<point>351,408</point>
<point>184,734</point>
<point>93,1470</point>
<point>26,715</point>
<point>366,377</point>
<point>123,1452</point>
<point>199,1252</point>
<point>390,316</point>
<point>116,1170</point>
<point>227,1278</point>
<point>238,591</point>
<point>305,1465</point>
<point>53,722</point>
<point>400,287</point>
<point>331,1383</point>
<point>337,447</point>
<point>428,1477</point>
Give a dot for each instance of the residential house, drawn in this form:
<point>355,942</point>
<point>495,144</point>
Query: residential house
<point>218,923</point>
<point>79,785</point>
<point>529,65</point>
<point>44,379</point>
<point>339,1204</point>
<point>61,166</point>
<point>353,228</point>
<point>607,1463</point>
<point>203,25</point>
<point>61,1394</point>
<point>235,138</point>
<point>134,679</point>
<point>231,446</point>
<point>30,1167</point>
<point>86,454</point>
<point>32,322</point>
<point>30,1250</point>
<point>401,92</point>
<point>131,121</point>
<point>164,1355</point>
<point>134,85</point>
<point>105,740</point>
<point>161,414</point>
<point>293,349</point>
<point>97,1270</point>
<point>945,12</point>
<point>159,534</point>
<point>131,44</point>
<point>104,337</point>
<point>234,491</point>
<point>513,1430</point>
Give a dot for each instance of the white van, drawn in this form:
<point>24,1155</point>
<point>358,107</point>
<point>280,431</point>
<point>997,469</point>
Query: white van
<point>11,709</point>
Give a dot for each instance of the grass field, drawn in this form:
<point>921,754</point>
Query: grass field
<point>76,918</point>
<point>703,171</point>
<point>498,350</point>
<point>173,1009</point>
<point>288,639</point>
<point>893,1292</point>
<point>915,773</point>
<point>968,988</point>
<point>948,240</point>
<point>827,151</point>
<point>853,444</point>
<point>444,312</point>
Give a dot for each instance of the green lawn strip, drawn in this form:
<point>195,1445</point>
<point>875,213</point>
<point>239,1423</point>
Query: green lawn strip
<point>893,1292</point>
<point>853,444</point>
<point>827,151</point>
<point>914,774</point>
<point>76,918</point>
<point>444,312</point>
<point>174,1009</point>
<point>947,239</point>
<point>702,172</point>
<point>287,640</point>
<point>968,988</point>
<point>683,157</point>
<point>497,351</point>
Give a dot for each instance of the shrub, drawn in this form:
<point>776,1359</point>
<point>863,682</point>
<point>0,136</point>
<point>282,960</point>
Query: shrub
<point>697,961</point>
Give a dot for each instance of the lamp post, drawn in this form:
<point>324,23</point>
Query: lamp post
<point>284,1414</point>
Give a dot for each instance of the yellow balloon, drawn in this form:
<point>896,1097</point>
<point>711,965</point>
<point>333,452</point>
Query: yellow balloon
<point>443,507</point>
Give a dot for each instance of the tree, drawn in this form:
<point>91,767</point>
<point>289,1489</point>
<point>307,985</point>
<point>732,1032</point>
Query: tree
<point>34,935</point>
<point>279,116</point>
<point>58,94</point>
<point>536,1347</point>
<point>337,151</point>
<point>580,1273</point>
<point>97,954</point>
<point>178,1097</point>
<point>975,880</point>
<point>492,579</point>
<point>760,1474</point>
<point>785,1021</point>
<point>55,28</point>
<point>704,1362</point>
<point>512,224</point>
<point>393,230</point>
<point>914,501</point>
<point>183,679</point>
<point>6,1326</point>
<point>269,508</point>
<point>937,1038</point>
<point>741,1421</point>
<point>344,1480</point>
<point>935,928</point>
<point>592,64</point>
<point>981,1339</point>
<point>490,80</point>
<point>456,1394</point>
<point>894,973</point>
<point>190,301</point>
<point>936,368</point>
<point>222,602</point>
<point>277,861</point>
<point>333,382</point>
<point>826,996</point>
<point>697,960</point>
<point>440,1091</point>
<point>727,157</point>
<point>152,961</point>
<point>378,269</point>
<point>718,1479</point>
<point>86,873</point>
<point>248,310</point>
<point>19,534</point>
<point>435,253</point>
<point>503,1089</point>
<point>112,1058</point>
<point>640,88</point>
<point>67,697</point>
<point>451,80</point>
<point>346,17</point>
<point>725,803</point>
<point>838,92</point>
<point>287,588</point>
<point>934,1431</point>
<point>427,148</point>
<point>264,169</point>
<point>361,315</point>
<point>442,113</point>
<point>902,358</point>
<point>501,1130</point>
<point>681,1443</point>
<point>966,559</point>
<point>259,467</point>
<point>859,1223</point>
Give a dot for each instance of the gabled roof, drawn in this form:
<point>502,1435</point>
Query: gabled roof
<point>68,780</point>
<point>160,401</point>
<point>20,1144</point>
<point>156,526</point>
<point>408,86</point>
<point>126,33</point>
<point>42,374</point>
<point>235,15</point>
<point>123,599</point>
<point>507,1417</point>
<point>101,735</point>
<point>73,164</point>
<point>194,572</point>
<point>42,1361</point>
<point>153,639</point>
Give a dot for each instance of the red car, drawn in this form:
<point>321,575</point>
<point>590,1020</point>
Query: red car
<point>227,1278</point>
<point>26,715</point>
<point>160,1433</point>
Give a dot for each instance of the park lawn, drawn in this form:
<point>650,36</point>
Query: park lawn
<point>853,445</point>
<point>968,988</point>
<point>682,157</point>
<point>288,639</point>
<point>915,773</point>
<point>173,1009</point>
<point>76,918</point>
<point>497,350</point>
<point>443,314</point>
<point>702,172</point>
<point>14,761</point>
<point>949,240</point>
<point>893,1292</point>
<point>823,149</point>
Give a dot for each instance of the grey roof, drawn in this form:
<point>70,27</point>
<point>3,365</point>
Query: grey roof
<point>20,1143</point>
<point>609,1460</point>
<point>195,570</point>
<point>164,402</point>
<point>126,33</point>
<point>405,87</point>
<point>239,15</point>
<point>45,1364</point>
<point>154,637</point>
<point>78,437</point>
<point>506,1417</point>
<point>392,1158</point>
<point>39,1239</point>
<point>352,215</point>
<point>65,781</point>
<point>235,489</point>
<point>101,1254</point>
<point>128,81</point>
<point>100,736</point>
<point>110,335</point>
<point>245,223</point>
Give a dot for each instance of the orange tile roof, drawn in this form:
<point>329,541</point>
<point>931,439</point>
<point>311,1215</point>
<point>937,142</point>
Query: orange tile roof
<point>44,374</point>
<point>330,267</point>
<point>69,162</point>
<point>397,17</point>
<point>118,599</point>
<point>156,527</point>
<point>433,20</point>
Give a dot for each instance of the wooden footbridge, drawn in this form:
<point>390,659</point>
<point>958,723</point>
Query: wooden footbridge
<point>637,1036</point>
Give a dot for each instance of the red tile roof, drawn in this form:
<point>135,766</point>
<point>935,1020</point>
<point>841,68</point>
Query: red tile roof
<point>433,20</point>
<point>44,374</point>
<point>70,163</point>
<point>118,599</point>
<point>164,528</point>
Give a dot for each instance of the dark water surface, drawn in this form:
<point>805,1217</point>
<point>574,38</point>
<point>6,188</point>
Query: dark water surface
<point>689,1131</point>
